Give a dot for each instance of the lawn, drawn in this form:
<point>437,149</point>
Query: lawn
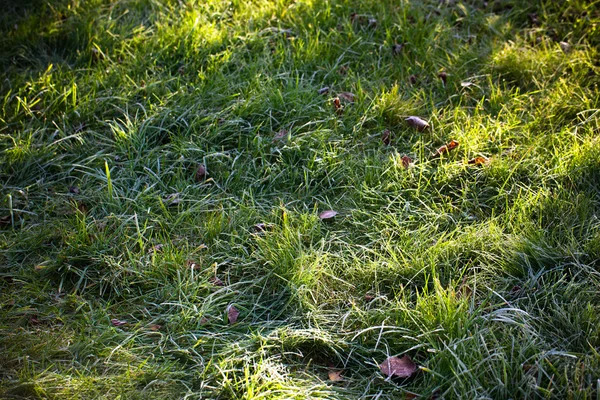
<point>166,168</point>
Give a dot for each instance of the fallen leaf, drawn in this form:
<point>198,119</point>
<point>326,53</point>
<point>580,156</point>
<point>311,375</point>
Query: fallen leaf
<point>39,267</point>
<point>401,367</point>
<point>417,123</point>
<point>232,314</point>
<point>565,46</point>
<point>335,375</point>
<point>443,76</point>
<point>413,79</point>
<point>323,90</point>
<point>173,199</point>
<point>156,248</point>
<point>397,49</point>
<point>480,160</point>
<point>74,189</point>
<point>386,137</point>
<point>192,264</point>
<point>33,320</point>
<point>347,96</point>
<point>338,105</point>
<point>327,214</point>
<point>406,161</point>
<point>201,173</point>
<point>155,327</point>
<point>445,148</point>
<point>281,135</point>
<point>118,322</point>
<point>216,281</point>
<point>369,297</point>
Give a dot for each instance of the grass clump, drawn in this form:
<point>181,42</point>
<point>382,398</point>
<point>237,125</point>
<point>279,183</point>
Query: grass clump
<point>165,162</point>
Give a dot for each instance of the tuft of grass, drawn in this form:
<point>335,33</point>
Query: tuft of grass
<point>119,261</point>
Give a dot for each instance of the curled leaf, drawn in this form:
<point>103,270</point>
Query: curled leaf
<point>335,375</point>
<point>386,137</point>
<point>327,214</point>
<point>479,160</point>
<point>417,123</point>
<point>281,135</point>
<point>216,281</point>
<point>232,314</point>
<point>347,96</point>
<point>406,161</point>
<point>338,105</point>
<point>445,148</point>
<point>401,367</point>
<point>201,173</point>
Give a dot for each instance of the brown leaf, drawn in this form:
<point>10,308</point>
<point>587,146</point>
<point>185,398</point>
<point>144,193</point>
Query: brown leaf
<point>281,135</point>
<point>445,148</point>
<point>201,173</point>
<point>232,314</point>
<point>155,327</point>
<point>335,375</point>
<point>417,123</point>
<point>413,79</point>
<point>347,96</point>
<point>192,264</point>
<point>118,322</point>
<point>262,227</point>
<point>33,320</point>
<point>338,105</point>
<point>369,297</point>
<point>406,161</point>
<point>323,90</point>
<point>443,76</point>
<point>216,281</point>
<point>327,214</point>
<point>480,160</point>
<point>386,137</point>
<point>74,189</point>
<point>343,70</point>
<point>401,367</point>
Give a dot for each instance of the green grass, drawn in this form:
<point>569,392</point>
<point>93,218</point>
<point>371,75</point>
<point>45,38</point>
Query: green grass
<point>488,276</point>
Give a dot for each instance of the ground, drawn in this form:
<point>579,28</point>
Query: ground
<point>165,165</point>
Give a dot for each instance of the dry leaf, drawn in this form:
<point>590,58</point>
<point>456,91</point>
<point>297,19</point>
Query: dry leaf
<point>323,90</point>
<point>369,297</point>
<point>216,281</point>
<point>386,137</point>
<point>480,160</point>
<point>338,105</point>
<point>417,123</point>
<point>347,96</point>
<point>74,189</point>
<point>232,314</point>
<point>445,148</point>
<point>327,214</point>
<point>262,227</point>
<point>281,135</point>
<point>201,173</point>
<point>173,199</point>
<point>335,375</point>
<point>443,76</point>
<point>155,327</point>
<point>401,367</point>
<point>118,322</point>
<point>406,161</point>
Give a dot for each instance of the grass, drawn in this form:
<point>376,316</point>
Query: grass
<point>486,275</point>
